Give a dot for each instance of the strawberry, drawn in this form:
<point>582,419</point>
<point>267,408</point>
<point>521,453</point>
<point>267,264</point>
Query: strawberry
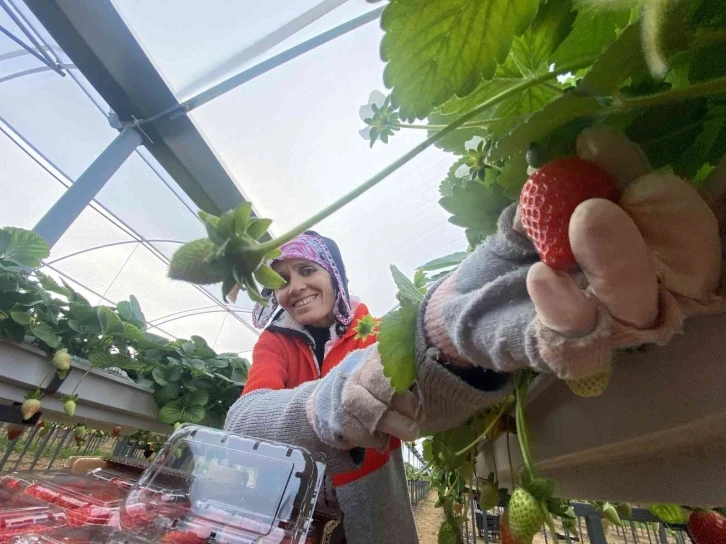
<point>116,431</point>
<point>551,195</point>
<point>525,515</point>
<point>707,527</point>
<point>182,537</point>
<point>593,386</point>
<point>62,360</point>
<point>31,404</point>
<point>611,514</point>
<point>79,431</point>
<point>14,432</point>
<point>624,509</point>
<point>488,496</point>
<point>89,515</point>
<point>506,532</point>
<point>69,404</point>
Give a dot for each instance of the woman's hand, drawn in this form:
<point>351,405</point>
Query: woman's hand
<point>355,405</point>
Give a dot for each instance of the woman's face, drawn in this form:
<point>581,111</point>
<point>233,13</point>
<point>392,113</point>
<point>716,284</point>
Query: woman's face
<point>309,296</point>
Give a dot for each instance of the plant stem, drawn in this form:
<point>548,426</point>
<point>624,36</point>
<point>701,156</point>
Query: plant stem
<point>512,474</point>
<point>504,408</point>
<point>494,462</point>
<point>714,86</point>
<point>428,142</point>
<point>79,382</point>
<point>522,434</point>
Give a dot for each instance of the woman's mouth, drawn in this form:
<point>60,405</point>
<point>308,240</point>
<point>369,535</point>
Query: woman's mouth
<point>305,301</point>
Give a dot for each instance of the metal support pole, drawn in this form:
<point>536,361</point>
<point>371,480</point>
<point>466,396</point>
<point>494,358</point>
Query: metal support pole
<point>64,212</point>
<point>594,529</point>
<point>662,534</point>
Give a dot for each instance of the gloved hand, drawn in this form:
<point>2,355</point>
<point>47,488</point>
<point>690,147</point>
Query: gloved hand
<point>649,261</point>
<point>355,405</point>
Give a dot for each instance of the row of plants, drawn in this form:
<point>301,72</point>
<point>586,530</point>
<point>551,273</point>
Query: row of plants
<point>191,382</point>
<point>506,86</point>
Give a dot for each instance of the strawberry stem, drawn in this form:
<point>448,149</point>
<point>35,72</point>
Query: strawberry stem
<point>428,142</point>
<point>522,433</point>
<point>79,382</point>
<point>505,406</point>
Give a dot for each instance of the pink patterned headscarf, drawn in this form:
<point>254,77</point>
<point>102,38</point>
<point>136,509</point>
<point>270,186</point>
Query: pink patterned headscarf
<point>311,247</point>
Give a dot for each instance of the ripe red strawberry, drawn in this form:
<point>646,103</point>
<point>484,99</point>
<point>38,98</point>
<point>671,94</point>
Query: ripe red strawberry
<point>116,431</point>
<point>707,527</point>
<point>89,515</point>
<point>14,431</point>
<point>182,537</point>
<point>551,195</point>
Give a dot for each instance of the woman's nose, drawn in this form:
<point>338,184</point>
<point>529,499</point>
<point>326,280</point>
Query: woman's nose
<point>296,284</point>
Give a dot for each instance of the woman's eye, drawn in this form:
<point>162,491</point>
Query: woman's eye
<point>308,271</point>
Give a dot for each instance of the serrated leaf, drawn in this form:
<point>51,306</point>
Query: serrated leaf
<point>134,334</point>
<point>76,297</point>
<point>257,227</point>
<point>45,332</point>
<point>130,311</point>
<point>594,28</point>
<point>49,284</point>
<point>198,340</point>
<point>226,225</point>
<point>174,372</point>
<point>556,114</point>
<point>396,345</point>
<point>13,331</point>
<point>172,412</point>
<point>440,48</point>
<point>159,375</point>
<point>110,322</point>
<point>621,60</point>
<point>23,247</point>
<point>167,393</point>
<point>444,262</point>
<point>20,315</point>
<point>475,207</point>
<point>193,414</point>
<point>196,398</point>
<point>406,288</point>
<point>513,176</point>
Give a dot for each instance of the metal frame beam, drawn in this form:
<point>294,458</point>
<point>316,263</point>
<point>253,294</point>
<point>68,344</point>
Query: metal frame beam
<point>69,206</point>
<point>38,52</point>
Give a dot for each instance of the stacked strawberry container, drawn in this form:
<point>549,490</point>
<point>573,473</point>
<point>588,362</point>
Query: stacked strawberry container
<point>204,486</point>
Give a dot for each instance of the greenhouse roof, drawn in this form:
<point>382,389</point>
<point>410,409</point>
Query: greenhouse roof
<point>286,138</point>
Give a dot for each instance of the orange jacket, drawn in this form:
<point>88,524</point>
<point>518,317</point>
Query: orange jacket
<point>284,360</point>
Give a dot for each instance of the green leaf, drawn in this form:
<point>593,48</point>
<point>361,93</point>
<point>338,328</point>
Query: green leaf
<point>241,217</point>
<point>44,332</point>
<point>75,297</point>
<point>49,284</point>
<point>11,330</point>
<point>134,334</point>
<point>268,277</point>
<point>24,247</point>
<point>475,208</point>
<point>174,372</point>
<point>451,181</point>
<point>406,288</point>
<point>159,375</point>
<point>554,115</point>
<point>226,225</point>
<point>130,311</point>
<point>167,393</point>
<point>110,322</point>
<point>172,412</point>
<point>193,414</point>
<point>257,227</point>
<point>21,315</point>
<point>594,28</point>
<point>621,60</point>
<point>196,398</point>
<point>198,340</point>
<point>513,176</point>
<point>396,345</point>
<point>439,48</point>
<point>444,262</point>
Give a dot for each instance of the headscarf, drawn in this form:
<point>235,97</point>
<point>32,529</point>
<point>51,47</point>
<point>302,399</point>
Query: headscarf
<point>323,252</point>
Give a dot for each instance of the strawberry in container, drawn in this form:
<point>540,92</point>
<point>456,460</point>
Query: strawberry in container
<point>91,534</point>
<point>21,514</point>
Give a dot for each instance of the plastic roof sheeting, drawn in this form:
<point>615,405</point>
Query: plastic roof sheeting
<point>289,138</point>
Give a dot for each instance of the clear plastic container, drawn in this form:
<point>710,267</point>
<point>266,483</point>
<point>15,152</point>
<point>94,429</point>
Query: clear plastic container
<point>86,500</point>
<point>212,486</point>
<point>92,534</point>
<point>21,514</point>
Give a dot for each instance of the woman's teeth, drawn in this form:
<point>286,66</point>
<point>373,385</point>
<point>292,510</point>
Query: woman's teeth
<point>304,302</point>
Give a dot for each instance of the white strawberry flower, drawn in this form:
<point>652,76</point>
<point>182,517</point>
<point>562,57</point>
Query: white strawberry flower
<point>473,143</point>
<point>366,111</point>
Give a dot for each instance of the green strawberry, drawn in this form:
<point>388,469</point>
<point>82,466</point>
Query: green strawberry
<point>668,513</point>
<point>525,515</point>
<point>69,404</point>
<point>79,431</point>
<point>177,425</point>
<point>624,509</point>
<point>593,386</point>
<point>608,510</point>
<point>488,496</point>
<point>62,360</point>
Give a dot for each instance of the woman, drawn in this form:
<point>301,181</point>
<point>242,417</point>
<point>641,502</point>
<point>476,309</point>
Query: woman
<point>317,383</point>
